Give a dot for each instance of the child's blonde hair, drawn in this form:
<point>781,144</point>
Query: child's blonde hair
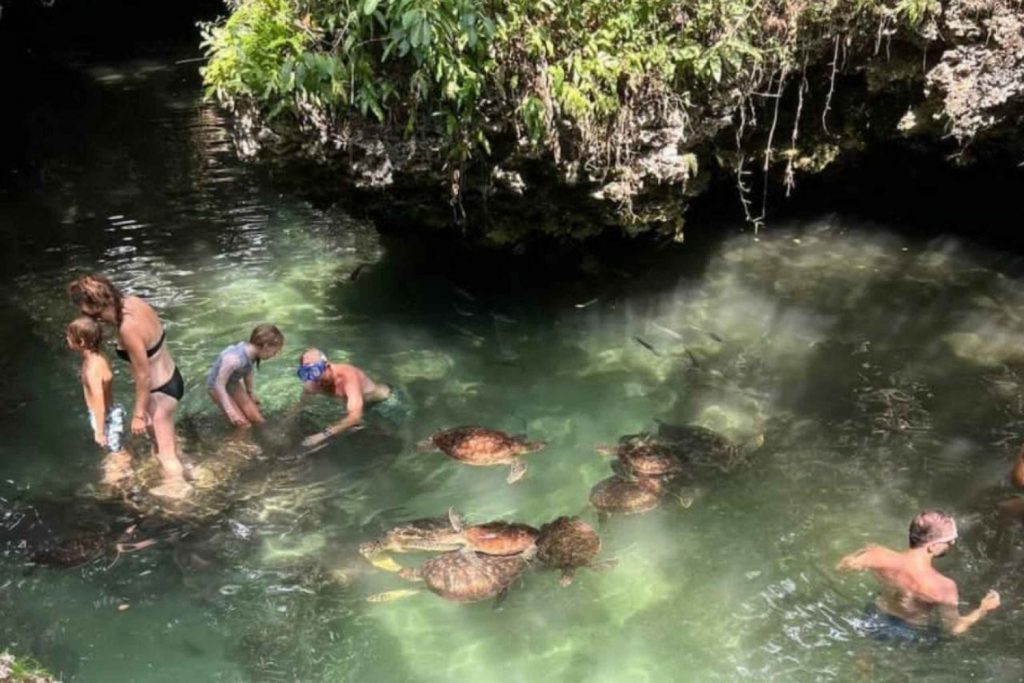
<point>85,333</point>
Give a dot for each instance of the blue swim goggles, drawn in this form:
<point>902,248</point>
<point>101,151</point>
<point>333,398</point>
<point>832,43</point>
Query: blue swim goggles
<point>311,372</point>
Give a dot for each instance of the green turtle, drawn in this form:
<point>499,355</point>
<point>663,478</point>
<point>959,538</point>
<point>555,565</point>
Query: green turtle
<point>626,496</point>
<point>463,576</point>
<point>74,551</point>
<point>483,446</point>
<point>449,533</point>
<point>569,543</point>
<point>703,446</point>
<point>645,456</point>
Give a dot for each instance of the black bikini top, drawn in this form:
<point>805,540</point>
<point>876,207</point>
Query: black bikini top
<point>122,354</point>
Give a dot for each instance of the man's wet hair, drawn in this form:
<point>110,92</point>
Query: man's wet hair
<point>930,526</point>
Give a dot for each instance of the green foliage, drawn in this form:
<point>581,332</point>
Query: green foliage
<point>555,68</point>
<point>22,670</point>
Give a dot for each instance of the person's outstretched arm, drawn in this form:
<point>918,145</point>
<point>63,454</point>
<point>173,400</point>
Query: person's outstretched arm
<point>353,414</point>
<point>956,624</point>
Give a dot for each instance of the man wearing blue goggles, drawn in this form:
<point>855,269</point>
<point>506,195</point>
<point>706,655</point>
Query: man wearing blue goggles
<point>344,382</point>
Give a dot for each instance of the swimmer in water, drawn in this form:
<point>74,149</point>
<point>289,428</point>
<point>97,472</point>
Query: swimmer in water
<point>347,383</point>
<point>917,603</point>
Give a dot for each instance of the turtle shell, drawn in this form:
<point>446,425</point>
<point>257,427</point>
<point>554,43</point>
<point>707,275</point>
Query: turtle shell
<point>501,538</point>
<point>74,551</point>
<point>469,577</point>
<point>477,445</point>
<point>694,439</point>
<point>419,534</point>
<point>568,542</point>
<point>617,494</point>
<point>650,458</point>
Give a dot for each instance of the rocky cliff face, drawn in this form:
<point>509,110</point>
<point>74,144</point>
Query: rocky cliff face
<point>976,90</point>
<point>956,82</point>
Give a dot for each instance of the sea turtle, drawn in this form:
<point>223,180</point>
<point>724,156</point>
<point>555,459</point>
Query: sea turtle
<point>74,551</point>
<point>569,543</point>
<point>449,533</point>
<point>463,576</point>
<point>483,446</point>
<point>86,547</point>
<point>702,446</point>
<point>645,456</point>
<point>626,496</point>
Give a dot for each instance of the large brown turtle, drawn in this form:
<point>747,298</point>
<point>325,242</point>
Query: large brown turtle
<point>84,548</point>
<point>449,533</point>
<point>645,456</point>
<point>704,447</point>
<point>463,576</point>
<point>569,543</point>
<point>483,446</point>
<point>626,496</point>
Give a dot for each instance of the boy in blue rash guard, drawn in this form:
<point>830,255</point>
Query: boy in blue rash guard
<point>230,380</point>
<point>917,603</point>
<point>105,417</point>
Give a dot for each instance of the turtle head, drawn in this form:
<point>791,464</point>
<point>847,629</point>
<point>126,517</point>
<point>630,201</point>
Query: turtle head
<point>532,446</point>
<point>426,445</point>
<point>371,549</point>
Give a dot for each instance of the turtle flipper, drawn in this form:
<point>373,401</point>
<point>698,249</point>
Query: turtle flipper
<point>391,596</point>
<point>567,576</point>
<point>455,519</point>
<point>517,472</point>
<point>499,599</point>
<point>385,562</point>
<point>427,445</point>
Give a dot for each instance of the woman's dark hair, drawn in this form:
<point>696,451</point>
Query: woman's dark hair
<point>98,292</point>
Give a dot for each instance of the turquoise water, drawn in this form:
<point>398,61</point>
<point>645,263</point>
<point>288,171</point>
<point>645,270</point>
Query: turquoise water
<point>884,374</point>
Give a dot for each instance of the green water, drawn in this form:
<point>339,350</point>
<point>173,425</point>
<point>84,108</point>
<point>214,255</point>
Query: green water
<point>883,373</point>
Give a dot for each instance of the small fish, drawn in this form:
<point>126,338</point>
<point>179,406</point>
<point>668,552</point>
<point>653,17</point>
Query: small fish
<point>463,312</point>
<point>464,294</point>
<point>671,333</point>
<point>503,318</point>
<point>355,273</point>
<point>711,334</point>
<point>466,333</point>
<point>693,359</point>
<point>647,346</point>
<point>588,303</point>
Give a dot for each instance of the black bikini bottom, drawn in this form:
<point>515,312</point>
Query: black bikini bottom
<point>174,387</point>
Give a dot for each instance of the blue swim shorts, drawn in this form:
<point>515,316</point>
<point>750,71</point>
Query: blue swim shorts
<point>113,427</point>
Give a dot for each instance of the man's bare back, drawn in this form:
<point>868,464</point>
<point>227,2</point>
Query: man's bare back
<point>912,589</point>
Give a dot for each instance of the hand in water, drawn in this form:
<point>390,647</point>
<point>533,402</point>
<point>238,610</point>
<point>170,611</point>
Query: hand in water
<point>990,601</point>
<point>314,439</point>
<point>100,439</point>
<point>240,422</point>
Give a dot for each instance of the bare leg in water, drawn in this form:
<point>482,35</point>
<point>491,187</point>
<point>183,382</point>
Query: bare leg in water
<point>161,413</point>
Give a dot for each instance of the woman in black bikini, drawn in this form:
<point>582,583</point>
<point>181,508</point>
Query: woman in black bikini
<point>158,383</point>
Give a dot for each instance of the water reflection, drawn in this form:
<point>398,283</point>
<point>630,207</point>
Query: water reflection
<point>884,375</point>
